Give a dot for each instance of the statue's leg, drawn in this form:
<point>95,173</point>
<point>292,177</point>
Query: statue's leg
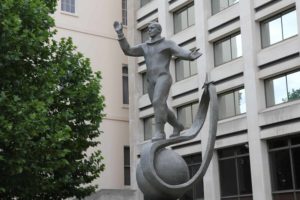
<point>177,126</point>
<point>159,102</point>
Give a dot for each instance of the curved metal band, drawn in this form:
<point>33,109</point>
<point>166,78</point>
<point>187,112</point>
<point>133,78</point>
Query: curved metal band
<point>149,150</point>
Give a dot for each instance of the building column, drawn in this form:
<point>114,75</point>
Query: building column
<point>135,89</point>
<point>255,101</point>
<point>205,64</point>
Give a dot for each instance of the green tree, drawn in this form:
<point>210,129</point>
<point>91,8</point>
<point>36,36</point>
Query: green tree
<point>50,108</point>
<point>295,94</point>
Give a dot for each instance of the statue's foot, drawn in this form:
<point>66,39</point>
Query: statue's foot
<point>158,136</point>
<point>177,130</point>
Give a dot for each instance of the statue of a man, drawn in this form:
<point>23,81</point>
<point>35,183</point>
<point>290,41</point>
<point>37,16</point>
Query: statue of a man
<point>158,52</point>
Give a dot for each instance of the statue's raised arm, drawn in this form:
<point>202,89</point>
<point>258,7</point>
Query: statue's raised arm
<point>127,49</point>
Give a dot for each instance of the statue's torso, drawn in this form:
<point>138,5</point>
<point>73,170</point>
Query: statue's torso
<point>157,57</point>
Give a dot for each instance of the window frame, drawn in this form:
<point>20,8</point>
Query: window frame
<point>234,101</point>
<point>190,68</point>
<point>187,19</point>
<point>235,157</point>
<point>153,125</point>
<point>214,13</point>
<point>124,90</point>
<point>277,77</point>
<point>289,146</point>
<point>193,164</point>
<point>229,37</point>
<point>191,106</point>
<point>65,2</point>
<point>272,18</point>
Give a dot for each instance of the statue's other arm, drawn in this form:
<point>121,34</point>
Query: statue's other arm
<point>182,53</point>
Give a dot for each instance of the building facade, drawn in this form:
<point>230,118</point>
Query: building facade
<point>89,24</point>
<point>251,51</point>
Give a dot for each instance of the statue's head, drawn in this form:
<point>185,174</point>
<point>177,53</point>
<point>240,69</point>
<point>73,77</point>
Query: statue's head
<point>154,29</point>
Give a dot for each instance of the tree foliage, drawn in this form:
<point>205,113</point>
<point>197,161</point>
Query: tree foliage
<point>50,108</point>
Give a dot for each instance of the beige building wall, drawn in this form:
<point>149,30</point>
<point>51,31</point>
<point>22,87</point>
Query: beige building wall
<point>92,32</point>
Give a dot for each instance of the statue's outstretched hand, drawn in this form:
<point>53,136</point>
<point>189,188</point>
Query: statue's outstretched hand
<point>195,54</point>
<point>118,27</point>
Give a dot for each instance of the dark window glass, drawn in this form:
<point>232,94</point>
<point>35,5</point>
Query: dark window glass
<point>149,127</point>
<point>283,196</point>
<point>235,174</point>
<point>279,28</point>
<point>296,162</point>
<point>184,18</point>
<point>295,140</point>
<point>126,165</point>
<point>194,162</point>
<point>228,49</point>
<point>283,88</point>
<point>285,167</point>
<point>144,35</point>
<point>244,175</point>
<point>145,83</point>
<point>278,143</point>
<point>281,170</point>
<point>228,177</point>
<point>125,84</point>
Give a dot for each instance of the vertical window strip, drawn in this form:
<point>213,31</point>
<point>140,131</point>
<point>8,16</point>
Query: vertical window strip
<point>124,12</point>
<point>127,165</point>
<point>125,84</point>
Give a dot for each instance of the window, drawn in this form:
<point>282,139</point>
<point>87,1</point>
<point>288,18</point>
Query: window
<point>68,6</point>
<point>232,103</point>
<point>126,165</point>
<point>219,5</point>
<point>144,35</point>
<point>125,84</point>
<point>124,12</point>
<point>186,114</point>
<point>144,2</point>
<point>228,49</point>
<point>235,174</point>
<point>283,88</point>
<point>279,28</point>
<point>149,127</point>
<point>185,69</point>
<point>284,156</point>
<point>145,83</point>
<point>184,18</point>
<point>194,162</point>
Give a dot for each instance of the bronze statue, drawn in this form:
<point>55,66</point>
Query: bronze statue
<point>158,52</point>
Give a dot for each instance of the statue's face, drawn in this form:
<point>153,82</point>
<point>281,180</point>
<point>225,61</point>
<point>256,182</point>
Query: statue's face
<point>153,30</point>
